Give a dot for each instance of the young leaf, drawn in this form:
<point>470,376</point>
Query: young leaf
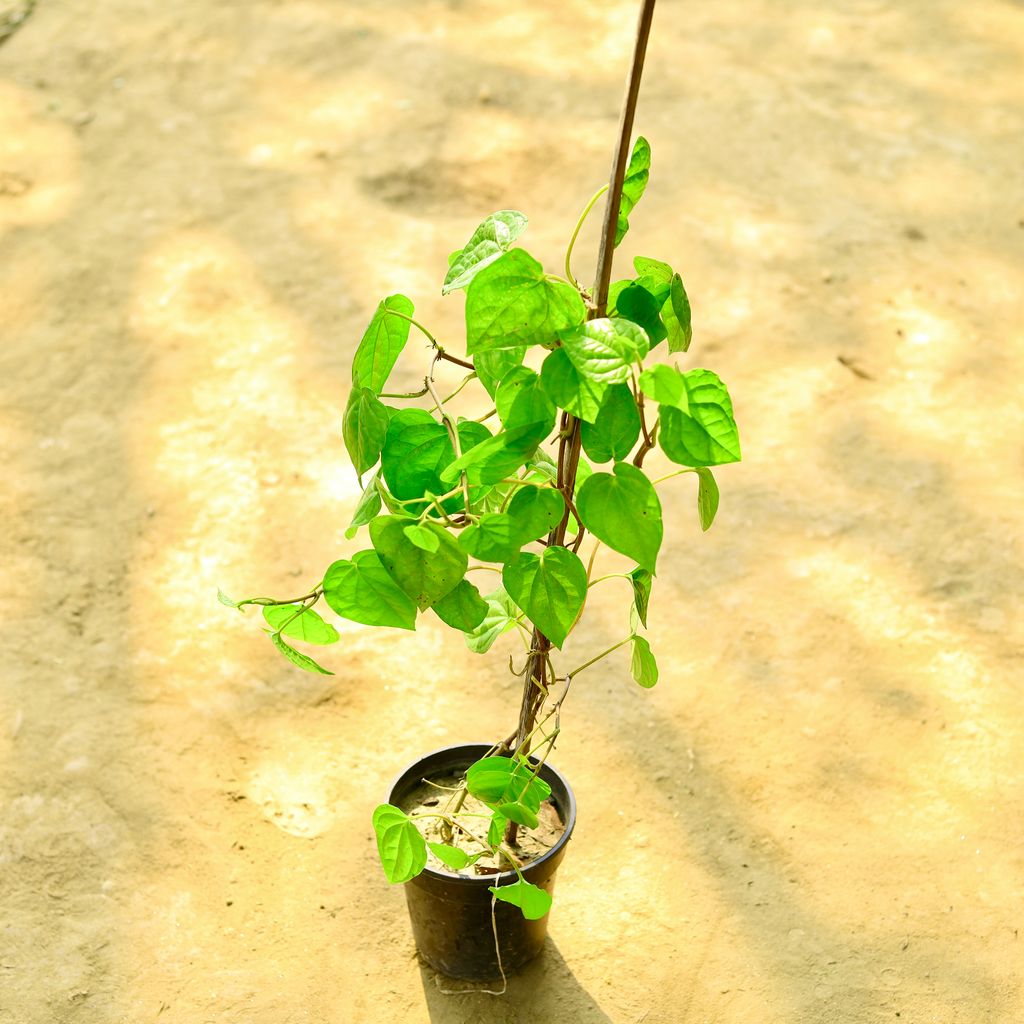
<point>513,304</point>
<point>637,173</point>
<point>368,507</point>
<point>493,366</point>
<point>362,590</point>
<point>532,901</point>
<point>636,303</point>
<point>452,856</point>
<point>571,390</point>
<point>496,829</point>
<point>493,237</point>
<point>422,537</point>
<point>402,849</point>
<point>506,781</point>
<point>495,538</point>
<point>641,580</point>
<point>521,399</point>
<point>382,344</point>
<point>306,625</point>
<point>707,498</point>
<point>623,511</point>
<point>666,385</point>
<point>647,267</point>
<point>603,349</point>
<point>674,305</point>
<point>462,607</point>
<point>535,511</point>
<point>364,428</point>
<point>496,457</point>
<point>302,660</point>
<point>550,588</point>
<point>705,434</point>
<point>425,576</point>
<point>500,618</point>
<point>642,666</point>
<point>616,427</point>
<point>676,315</point>
<point>224,599</point>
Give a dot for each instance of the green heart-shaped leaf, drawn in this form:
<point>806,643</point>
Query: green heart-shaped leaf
<point>623,510</point>
<point>425,576</point>
<point>402,849</point>
<point>513,304</point>
<point>363,591</point>
<point>550,589</point>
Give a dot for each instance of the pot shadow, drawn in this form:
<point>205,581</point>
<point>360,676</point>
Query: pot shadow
<point>545,989</point>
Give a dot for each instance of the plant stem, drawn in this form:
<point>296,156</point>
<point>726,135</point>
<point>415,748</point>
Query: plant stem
<point>603,654</point>
<point>576,230</point>
<point>534,686</point>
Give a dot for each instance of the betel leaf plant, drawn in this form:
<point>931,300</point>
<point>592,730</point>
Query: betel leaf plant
<point>497,522</point>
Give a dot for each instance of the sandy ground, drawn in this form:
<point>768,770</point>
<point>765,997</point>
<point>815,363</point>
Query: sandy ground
<point>816,816</point>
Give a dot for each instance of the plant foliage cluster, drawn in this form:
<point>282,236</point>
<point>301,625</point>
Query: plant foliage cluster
<point>572,387</point>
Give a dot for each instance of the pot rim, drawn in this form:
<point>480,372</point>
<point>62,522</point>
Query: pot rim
<point>500,878</point>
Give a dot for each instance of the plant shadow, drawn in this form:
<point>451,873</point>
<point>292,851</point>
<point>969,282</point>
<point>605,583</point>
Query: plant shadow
<point>543,990</point>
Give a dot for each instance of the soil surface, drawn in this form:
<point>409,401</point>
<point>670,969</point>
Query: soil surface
<point>816,814</point>
<point>531,843</point>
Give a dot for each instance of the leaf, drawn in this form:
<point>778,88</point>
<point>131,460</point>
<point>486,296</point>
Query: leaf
<point>495,458</point>
<point>362,590</point>
<point>666,385</point>
<point>492,366</point>
<point>307,625</point>
<point>521,399</point>
<point>550,589</point>
<point>675,306</point>
<point>493,237</point>
<point>647,267</point>
<point>402,849</point>
<point>302,660</point>
<point>603,349</point>
<point>425,576</point>
<point>367,508</point>
<point>705,434</point>
<point>422,537</point>
<point>416,449</point>
<point>495,538</point>
<point>364,428</point>
<point>641,581</point>
<point>536,511</point>
<point>623,511</point>
<point>506,782</point>
<point>532,901</point>
<point>637,173</point>
<point>676,315</point>
<point>224,599</point>
<point>513,304</point>
<point>462,607</point>
<point>707,499</point>
<point>500,618</point>
<point>382,344</point>
<point>636,303</point>
<point>615,428</point>
<point>570,389</point>
<point>496,829</point>
<point>643,667</point>
<point>452,856</point>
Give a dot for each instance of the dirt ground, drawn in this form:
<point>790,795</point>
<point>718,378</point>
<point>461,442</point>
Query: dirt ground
<point>817,814</point>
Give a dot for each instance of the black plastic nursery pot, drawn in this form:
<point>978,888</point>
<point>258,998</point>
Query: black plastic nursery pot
<point>451,914</point>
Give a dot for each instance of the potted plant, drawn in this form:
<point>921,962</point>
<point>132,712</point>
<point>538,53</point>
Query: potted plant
<point>577,378</point>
